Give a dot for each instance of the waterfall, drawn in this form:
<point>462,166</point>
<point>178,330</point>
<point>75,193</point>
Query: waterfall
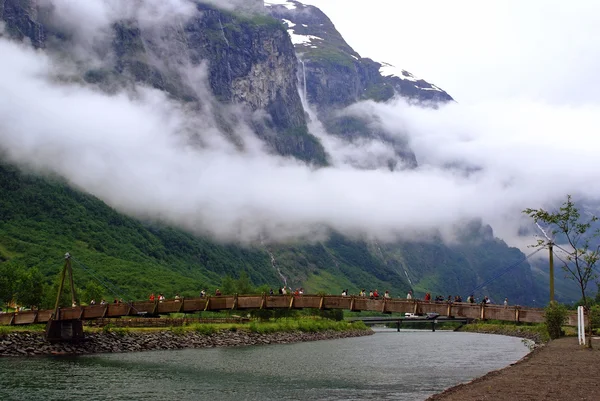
<point>304,94</point>
<point>401,264</point>
<point>274,263</point>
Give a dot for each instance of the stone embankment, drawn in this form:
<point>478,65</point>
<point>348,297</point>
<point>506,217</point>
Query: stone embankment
<point>33,343</point>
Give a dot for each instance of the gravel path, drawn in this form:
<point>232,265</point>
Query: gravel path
<point>560,370</point>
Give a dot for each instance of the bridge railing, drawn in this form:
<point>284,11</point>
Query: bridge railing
<point>253,302</point>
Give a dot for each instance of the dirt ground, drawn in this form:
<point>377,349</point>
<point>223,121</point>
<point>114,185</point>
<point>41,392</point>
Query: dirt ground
<point>560,370</point>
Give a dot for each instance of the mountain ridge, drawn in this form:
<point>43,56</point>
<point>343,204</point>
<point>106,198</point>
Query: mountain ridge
<point>241,51</point>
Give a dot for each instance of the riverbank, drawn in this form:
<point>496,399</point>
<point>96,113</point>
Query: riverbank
<point>33,344</point>
<point>535,333</point>
<point>560,370</point>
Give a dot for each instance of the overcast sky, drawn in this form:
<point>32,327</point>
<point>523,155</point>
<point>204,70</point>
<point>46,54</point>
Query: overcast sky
<point>482,50</point>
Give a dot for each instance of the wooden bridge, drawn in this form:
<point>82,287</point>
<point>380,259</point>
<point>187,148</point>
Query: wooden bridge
<point>253,302</point>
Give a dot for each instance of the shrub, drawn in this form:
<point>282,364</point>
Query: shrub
<point>4,331</point>
<point>555,316</point>
<point>204,329</point>
<point>120,331</point>
<point>359,325</point>
<point>263,328</point>
<point>177,330</point>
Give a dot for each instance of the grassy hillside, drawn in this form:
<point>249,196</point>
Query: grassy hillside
<point>42,218</point>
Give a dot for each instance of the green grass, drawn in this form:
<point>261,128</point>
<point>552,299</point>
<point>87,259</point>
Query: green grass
<point>4,330</point>
<point>507,329</point>
<point>305,325</point>
<point>31,328</point>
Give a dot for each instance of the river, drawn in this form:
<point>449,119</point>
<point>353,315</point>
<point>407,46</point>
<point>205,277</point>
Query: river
<point>410,365</point>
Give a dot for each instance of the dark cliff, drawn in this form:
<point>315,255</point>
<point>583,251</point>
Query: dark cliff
<point>250,62</point>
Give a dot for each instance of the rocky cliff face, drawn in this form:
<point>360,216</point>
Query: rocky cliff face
<point>249,57</point>
<point>335,76</point>
<point>21,19</point>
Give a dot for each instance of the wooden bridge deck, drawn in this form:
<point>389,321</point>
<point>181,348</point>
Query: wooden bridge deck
<point>250,302</point>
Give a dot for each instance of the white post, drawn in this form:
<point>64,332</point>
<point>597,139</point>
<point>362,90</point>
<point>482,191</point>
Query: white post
<point>580,325</point>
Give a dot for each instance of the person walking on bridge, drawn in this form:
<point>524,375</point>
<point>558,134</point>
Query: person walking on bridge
<point>409,295</point>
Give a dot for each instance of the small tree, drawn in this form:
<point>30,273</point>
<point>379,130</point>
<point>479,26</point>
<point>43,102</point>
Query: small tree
<point>94,291</point>
<point>581,255</point>
<point>554,317</point>
<point>228,286</point>
<point>30,288</point>
<point>8,280</point>
<point>243,284</point>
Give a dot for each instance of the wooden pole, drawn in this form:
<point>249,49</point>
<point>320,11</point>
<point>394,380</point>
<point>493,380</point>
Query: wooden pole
<point>551,260</point>
<point>61,284</point>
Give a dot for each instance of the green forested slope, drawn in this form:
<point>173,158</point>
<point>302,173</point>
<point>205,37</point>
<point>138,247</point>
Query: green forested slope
<point>42,218</point>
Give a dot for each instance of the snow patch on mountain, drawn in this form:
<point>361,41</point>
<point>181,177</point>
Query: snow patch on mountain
<point>289,23</point>
<point>388,70</point>
<point>302,39</point>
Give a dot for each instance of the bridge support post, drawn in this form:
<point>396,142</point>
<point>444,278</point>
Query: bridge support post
<point>64,330</point>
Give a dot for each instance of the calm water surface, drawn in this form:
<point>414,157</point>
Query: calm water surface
<point>410,365</point>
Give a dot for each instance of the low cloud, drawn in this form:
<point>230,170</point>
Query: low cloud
<point>153,157</point>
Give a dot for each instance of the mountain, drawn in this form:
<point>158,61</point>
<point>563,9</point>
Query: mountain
<point>279,72</point>
<point>335,76</point>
